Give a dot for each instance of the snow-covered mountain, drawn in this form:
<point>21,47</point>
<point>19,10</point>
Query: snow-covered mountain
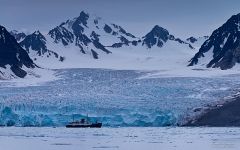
<point>90,41</point>
<point>35,45</point>
<point>90,34</point>
<point>14,60</point>
<point>197,42</point>
<point>19,36</point>
<point>222,49</point>
<point>159,36</point>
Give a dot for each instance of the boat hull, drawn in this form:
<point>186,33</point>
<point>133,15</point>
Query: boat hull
<point>94,125</point>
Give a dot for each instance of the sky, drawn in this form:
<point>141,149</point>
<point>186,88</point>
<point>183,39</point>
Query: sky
<point>182,18</point>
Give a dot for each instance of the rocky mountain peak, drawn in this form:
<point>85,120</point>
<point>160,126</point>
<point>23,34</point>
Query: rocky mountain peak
<point>82,19</point>
<point>12,54</point>
<point>19,36</point>
<point>35,41</point>
<point>222,46</point>
<point>157,36</point>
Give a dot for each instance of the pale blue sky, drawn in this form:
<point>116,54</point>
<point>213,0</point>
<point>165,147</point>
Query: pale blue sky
<point>182,18</point>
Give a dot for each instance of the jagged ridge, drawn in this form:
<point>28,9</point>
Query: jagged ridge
<point>222,46</point>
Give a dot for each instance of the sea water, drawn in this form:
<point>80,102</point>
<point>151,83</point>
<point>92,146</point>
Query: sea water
<point>124,138</point>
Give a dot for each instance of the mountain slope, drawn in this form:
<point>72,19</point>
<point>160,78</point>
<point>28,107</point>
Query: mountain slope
<point>13,58</point>
<point>90,34</point>
<point>197,42</point>
<point>222,49</point>
<point>19,36</point>
<point>35,45</point>
<point>159,36</point>
<point>35,41</point>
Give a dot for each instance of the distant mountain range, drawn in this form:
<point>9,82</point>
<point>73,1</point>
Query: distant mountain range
<point>80,41</point>
<point>87,36</point>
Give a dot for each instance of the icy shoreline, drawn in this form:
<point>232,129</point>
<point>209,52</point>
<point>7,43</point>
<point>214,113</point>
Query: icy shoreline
<point>120,138</point>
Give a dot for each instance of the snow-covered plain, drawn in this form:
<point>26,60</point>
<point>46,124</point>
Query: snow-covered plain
<point>170,57</point>
<point>35,77</point>
<point>120,138</point>
<point>115,97</point>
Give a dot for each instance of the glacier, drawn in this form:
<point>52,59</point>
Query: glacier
<point>115,97</point>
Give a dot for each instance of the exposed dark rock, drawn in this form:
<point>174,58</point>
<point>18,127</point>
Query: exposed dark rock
<point>95,36</point>
<point>224,44</point>
<point>107,28</point>
<point>158,36</point>
<point>227,115</point>
<point>11,53</point>
<point>124,40</point>
<point>61,34</point>
<point>192,39</point>
<point>36,42</point>
<point>135,43</point>
<point>100,46</point>
<point>117,45</point>
<point>61,58</point>
<point>121,30</point>
<point>95,54</point>
<point>18,35</point>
